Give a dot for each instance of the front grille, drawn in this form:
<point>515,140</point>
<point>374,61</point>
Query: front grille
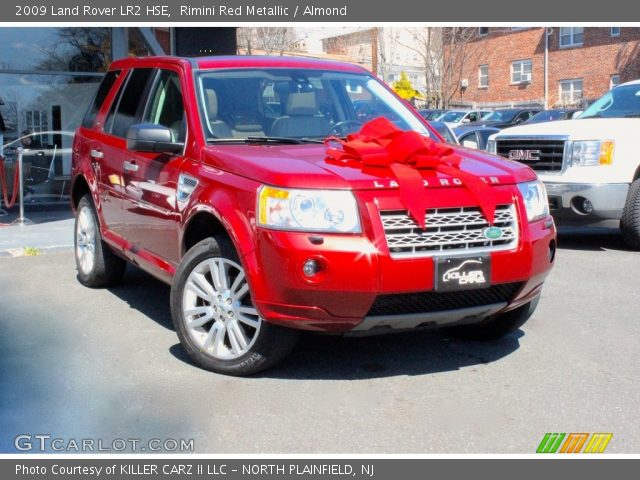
<point>450,230</point>
<point>427,302</point>
<point>550,153</point>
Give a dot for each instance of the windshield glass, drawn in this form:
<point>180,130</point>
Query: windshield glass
<point>500,116</point>
<point>623,101</point>
<point>452,116</point>
<point>444,131</point>
<point>295,103</point>
<point>547,116</point>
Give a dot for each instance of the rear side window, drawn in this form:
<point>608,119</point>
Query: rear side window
<point>128,108</point>
<point>103,90</point>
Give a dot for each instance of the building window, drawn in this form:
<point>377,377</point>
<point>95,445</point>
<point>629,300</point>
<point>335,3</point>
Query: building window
<point>571,36</point>
<point>615,31</point>
<point>482,31</point>
<point>521,71</point>
<point>615,81</point>
<point>483,76</point>
<point>571,91</point>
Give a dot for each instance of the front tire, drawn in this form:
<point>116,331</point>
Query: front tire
<point>214,316</point>
<point>497,326</point>
<point>97,265</point>
<point>630,222</point>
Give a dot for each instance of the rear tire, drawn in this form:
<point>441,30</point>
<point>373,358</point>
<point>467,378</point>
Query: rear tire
<point>497,326</point>
<point>630,222</point>
<point>214,316</point>
<point>97,265</point>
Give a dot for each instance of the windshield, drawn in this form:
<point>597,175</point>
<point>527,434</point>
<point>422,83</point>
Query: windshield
<point>500,116</point>
<point>452,116</point>
<point>295,103</point>
<point>622,101</point>
<point>547,116</point>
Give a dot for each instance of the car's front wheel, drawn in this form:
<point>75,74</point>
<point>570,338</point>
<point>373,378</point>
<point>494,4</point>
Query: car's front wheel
<point>630,222</point>
<point>214,316</point>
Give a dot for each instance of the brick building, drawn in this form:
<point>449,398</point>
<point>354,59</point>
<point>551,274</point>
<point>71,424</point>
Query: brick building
<point>506,66</point>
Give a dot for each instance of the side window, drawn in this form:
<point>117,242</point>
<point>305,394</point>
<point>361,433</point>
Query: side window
<point>470,140</point>
<point>127,109</point>
<point>166,106</point>
<point>103,90</point>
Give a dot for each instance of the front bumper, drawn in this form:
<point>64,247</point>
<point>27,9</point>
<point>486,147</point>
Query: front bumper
<point>358,271</point>
<point>567,202</point>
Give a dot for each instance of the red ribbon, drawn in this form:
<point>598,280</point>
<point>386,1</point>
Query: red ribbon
<point>380,144</point>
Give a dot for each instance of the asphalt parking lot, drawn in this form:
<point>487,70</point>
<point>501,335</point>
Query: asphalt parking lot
<point>105,364</point>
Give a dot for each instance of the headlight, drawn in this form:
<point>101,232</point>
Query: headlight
<point>308,210</point>
<point>535,199</point>
<point>491,146</point>
<point>592,153</point>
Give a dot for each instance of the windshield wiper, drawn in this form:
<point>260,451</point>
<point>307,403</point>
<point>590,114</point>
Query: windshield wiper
<point>632,115</point>
<point>285,140</point>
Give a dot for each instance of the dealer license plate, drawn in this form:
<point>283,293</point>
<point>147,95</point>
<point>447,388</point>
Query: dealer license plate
<point>462,273</point>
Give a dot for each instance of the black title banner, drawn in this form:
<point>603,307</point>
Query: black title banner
<point>333,11</point>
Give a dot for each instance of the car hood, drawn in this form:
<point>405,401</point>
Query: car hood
<point>304,166</point>
<point>579,129</point>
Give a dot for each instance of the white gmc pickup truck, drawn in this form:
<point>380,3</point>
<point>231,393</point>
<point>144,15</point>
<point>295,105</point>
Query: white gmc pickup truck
<point>591,165</point>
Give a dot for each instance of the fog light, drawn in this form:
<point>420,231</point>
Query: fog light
<point>310,268</point>
<point>581,205</point>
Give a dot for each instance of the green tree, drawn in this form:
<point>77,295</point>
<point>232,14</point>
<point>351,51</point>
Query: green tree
<point>404,88</point>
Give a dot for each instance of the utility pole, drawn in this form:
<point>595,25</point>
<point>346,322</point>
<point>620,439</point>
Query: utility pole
<point>547,33</point>
<point>374,50</point>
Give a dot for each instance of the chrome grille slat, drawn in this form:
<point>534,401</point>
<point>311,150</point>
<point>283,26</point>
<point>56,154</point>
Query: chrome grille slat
<point>449,230</point>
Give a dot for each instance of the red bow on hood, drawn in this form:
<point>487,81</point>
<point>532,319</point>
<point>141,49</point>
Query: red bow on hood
<point>381,144</point>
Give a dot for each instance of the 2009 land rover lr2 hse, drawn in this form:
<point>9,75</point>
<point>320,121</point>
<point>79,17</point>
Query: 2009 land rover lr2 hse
<point>241,182</point>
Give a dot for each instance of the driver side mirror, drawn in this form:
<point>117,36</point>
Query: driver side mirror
<point>146,137</point>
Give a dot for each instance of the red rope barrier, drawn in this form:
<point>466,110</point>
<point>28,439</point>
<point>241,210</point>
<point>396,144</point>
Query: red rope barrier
<point>3,185</point>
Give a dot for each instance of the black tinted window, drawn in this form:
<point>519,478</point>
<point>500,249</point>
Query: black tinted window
<point>103,90</point>
<point>129,105</point>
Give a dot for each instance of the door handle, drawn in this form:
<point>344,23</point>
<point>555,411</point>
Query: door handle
<point>97,154</point>
<point>130,167</point>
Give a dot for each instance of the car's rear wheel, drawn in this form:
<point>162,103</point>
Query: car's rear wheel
<point>214,316</point>
<point>97,265</point>
<point>630,222</point>
<point>496,326</point>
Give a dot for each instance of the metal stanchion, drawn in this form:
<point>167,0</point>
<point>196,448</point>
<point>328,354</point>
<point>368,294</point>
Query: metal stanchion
<point>21,220</point>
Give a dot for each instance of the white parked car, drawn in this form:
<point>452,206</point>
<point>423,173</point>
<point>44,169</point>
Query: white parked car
<point>455,118</point>
<point>590,165</point>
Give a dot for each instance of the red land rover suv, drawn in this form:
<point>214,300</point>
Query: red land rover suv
<point>215,176</point>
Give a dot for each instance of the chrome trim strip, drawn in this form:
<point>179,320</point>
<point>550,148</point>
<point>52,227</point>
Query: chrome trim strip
<point>409,321</point>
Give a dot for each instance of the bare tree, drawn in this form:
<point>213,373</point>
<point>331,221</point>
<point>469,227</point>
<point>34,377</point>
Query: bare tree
<point>78,50</point>
<point>443,53</point>
<point>267,39</point>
